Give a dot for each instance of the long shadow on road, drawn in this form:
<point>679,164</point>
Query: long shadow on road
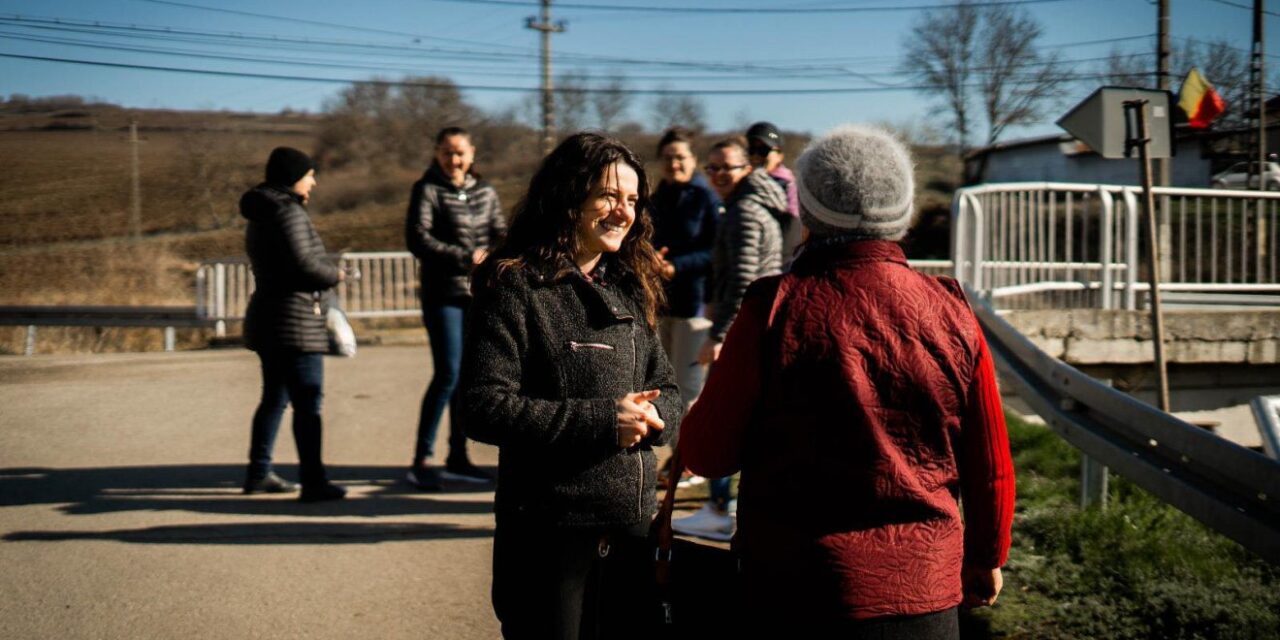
<point>265,533</point>
<point>215,489</point>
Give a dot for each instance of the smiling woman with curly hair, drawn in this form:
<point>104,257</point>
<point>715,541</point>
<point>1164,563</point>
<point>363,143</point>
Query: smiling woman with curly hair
<point>563,371</point>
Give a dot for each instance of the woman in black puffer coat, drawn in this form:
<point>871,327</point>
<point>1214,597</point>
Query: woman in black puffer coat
<point>563,371</point>
<point>454,219</point>
<point>285,322</point>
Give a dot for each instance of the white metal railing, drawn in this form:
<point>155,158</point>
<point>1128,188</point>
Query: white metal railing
<point>387,287</point>
<point>1062,245</point>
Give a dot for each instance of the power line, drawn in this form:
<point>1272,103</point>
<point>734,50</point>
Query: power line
<point>333,25</point>
<point>747,10</point>
<point>833,74</point>
<point>202,37</point>
<point>1243,6</point>
<point>500,88</point>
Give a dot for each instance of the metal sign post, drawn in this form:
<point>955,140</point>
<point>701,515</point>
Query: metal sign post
<point>1135,112</point>
<point>1114,121</point>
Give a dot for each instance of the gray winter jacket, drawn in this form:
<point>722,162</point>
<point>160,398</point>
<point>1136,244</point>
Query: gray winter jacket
<point>544,362</point>
<point>748,246</point>
<point>445,224</point>
<point>291,272</point>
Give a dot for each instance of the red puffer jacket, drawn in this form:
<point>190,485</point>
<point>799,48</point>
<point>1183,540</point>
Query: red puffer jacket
<point>858,399</point>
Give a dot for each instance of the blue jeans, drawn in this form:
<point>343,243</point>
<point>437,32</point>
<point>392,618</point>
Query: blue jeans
<point>444,324</point>
<point>719,489</point>
<point>297,378</point>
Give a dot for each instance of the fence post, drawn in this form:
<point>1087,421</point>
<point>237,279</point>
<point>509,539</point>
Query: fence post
<point>959,223</point>
<point>220,300</point>
<point>1106,231</point>
<point>1131,248</point>
<point>978,227</point>
<point>1093,483</point>
<point>1093,479</point>
<point>30,348</point>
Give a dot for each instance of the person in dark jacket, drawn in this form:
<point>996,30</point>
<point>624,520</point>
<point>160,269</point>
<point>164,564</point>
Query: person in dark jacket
<point>748,246</point>
<point>454,219</point>
<point>285,322</point>
<point>564,373</point>
<point>685,212</point>
<point>859,401</point>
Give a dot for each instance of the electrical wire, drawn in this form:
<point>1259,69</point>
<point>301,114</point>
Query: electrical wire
<point>504,88</point>
<point>583,6</point>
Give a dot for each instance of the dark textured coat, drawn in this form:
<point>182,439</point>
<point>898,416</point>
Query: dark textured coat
<point>291,272</point>
<point>544,362</point>
<point>748,246</point>
<point>445,224</point>
<point>684,221</point>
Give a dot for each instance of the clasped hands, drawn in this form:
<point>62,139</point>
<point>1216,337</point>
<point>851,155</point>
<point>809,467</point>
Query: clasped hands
<point>636,416</point>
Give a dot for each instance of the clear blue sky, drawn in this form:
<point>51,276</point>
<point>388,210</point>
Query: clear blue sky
<point>488,44</point>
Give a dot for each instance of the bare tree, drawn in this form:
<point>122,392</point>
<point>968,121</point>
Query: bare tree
<point>1018,83</point>
<point>214,168</point>
<point>940,55</point>
<point>669,110</point>
<point>1127,69</point>
<point>611,101</point>
<point>379,124</point>
<point>572,101</point>
<point>986,55</point>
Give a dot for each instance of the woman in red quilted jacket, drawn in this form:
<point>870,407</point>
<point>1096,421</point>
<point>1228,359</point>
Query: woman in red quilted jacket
<point>858,399</point>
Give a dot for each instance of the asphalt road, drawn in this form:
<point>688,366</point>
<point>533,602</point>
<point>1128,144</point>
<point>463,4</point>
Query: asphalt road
<point>121,514</point>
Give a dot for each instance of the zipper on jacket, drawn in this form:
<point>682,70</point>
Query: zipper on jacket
<point>579,346</point>
<point>639,453</point>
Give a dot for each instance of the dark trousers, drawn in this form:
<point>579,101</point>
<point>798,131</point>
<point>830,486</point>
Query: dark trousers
<point>289,377</point>
<point>445,323</point>
<point>572,584</point>
<point>940,625</point>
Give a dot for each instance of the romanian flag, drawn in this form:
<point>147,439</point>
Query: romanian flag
<point>1199,100</point>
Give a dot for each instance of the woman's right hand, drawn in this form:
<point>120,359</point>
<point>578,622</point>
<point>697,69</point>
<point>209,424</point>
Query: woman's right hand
<point>636,416</point>
<point>981,586</point>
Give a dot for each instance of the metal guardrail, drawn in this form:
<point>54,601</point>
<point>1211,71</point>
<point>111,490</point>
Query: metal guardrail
<point>1052,245</point>
<point>1266,410</point>
<point>167,318</point>
<point>1229,488</point>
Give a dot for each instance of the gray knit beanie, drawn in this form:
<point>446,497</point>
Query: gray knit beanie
<point>857,181</point>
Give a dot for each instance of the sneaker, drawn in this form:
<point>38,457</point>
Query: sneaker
<point>464,471</point>
<point>708,522</point>
<point>322,492</point>
<point>690,480</point>
<point>424,478</point>
<point>271,483</point>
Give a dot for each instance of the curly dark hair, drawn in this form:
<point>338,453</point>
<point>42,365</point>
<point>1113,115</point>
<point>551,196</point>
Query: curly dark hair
<point>543,235</point>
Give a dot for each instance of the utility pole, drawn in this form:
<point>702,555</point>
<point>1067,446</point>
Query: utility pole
<point>1163,170</point>
<point>135,199</point>
<point>1257,107</point>
<point>1163,81</point>
<point>548,89</point>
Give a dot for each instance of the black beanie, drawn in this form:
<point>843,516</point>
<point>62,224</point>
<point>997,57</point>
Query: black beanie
<point>287,165</point>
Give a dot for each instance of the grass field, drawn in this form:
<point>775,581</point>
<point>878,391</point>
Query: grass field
<point>1140,569</point>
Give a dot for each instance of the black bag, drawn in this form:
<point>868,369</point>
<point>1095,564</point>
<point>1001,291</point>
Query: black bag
<point>697,583</point>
